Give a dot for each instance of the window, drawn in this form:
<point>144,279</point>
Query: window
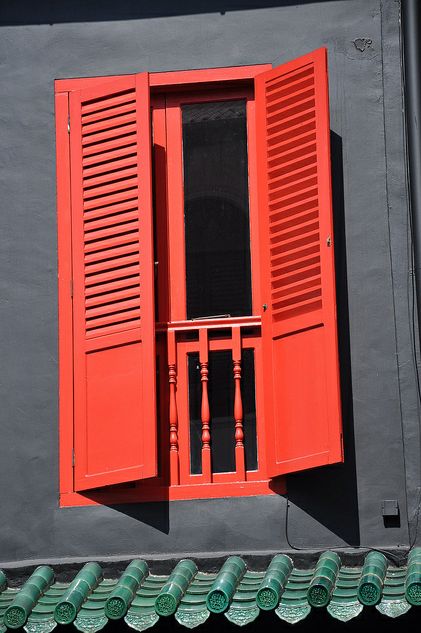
<point>198,349</point>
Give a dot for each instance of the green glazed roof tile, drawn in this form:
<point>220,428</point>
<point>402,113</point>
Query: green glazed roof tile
<point>89,601</point>
<point>192,600</point>
<point>199,589</point>
<point>171,594</point>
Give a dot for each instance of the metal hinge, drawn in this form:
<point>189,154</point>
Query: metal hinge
<point>71,288</point>
<point>73,458</point>
<point>68,124</point>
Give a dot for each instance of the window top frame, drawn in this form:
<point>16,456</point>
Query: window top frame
<point>163,81</point>
<point>204,93</point>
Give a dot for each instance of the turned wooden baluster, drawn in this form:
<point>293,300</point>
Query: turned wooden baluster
<point>205,411</point>
<point>173,414</point>
<point>238,404</point>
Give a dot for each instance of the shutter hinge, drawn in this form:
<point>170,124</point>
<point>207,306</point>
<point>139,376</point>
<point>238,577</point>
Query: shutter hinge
<point>68,124</point>
<point>71,288</point>
<point>73,458</point>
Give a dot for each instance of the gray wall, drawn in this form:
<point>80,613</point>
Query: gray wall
<point>329,507</point>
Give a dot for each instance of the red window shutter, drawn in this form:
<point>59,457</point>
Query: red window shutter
<point>299,328</point>
<point>114,353</point>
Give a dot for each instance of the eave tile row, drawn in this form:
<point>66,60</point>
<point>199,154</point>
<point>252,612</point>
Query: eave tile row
<point>139,597</point>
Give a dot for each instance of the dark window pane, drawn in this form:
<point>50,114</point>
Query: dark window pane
<point>221,401</point>
<point>195,391</point>
<point>216,209</point>
<point>249,409</point>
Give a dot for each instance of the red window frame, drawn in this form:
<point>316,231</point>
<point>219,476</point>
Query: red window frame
<point>175,203</point>
<point>198,85</point>
<point>299,378</point>
<point>171,287</point>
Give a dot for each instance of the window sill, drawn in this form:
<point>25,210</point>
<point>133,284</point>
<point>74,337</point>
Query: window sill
<point>146,494</point>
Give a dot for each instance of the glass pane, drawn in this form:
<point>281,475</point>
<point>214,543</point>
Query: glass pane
<point>221,402</point>
<point>217,231</point>
<point>249,409</point>
<point>195,391</point>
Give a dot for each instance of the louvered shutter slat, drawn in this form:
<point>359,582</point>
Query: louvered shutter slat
<point>110,112</point>
<point>101,205</point>
<point>107,105</point>
<point>126,131</point>
<point>108,123</point>
<point>116,171</point>
<point>125,225</point>
<point>93,325</point>
<point>112,246</point>
<point>100,290</point>
<point>123,185</point>
<point>117,295</point>
<point>111,210</point>
<point>128,160</point>
<point>114,359</point>
<point>93,153</point>
<point>98,280</point>
<point>93,226</point>
<point>295,209</point>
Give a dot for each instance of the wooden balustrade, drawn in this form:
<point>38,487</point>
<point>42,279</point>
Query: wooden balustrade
<point>205,411</point>
<point>233,343</point>
<point>238,404</point>
<point>173,415</point>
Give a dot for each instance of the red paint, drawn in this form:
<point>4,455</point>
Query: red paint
<point>297,376</point>
<point>173,415</point>
<point>230,342</point>
<point>114,348</point>
<point>65,315</point>
<point>149,492</point>
<point>302,396</point>
<point>212,324</point>
<point>160,199</point>
<point>178,78</point>
<point>205,411</point>
<point>238,404</point>
<point>175,184</point>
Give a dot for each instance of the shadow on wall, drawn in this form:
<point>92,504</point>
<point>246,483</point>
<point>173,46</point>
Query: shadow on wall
<point>19,12</point>
<point>155,515</point>
<point>329,494</point>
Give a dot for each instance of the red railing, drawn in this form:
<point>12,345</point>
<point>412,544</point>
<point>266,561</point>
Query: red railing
<point>200,336</point>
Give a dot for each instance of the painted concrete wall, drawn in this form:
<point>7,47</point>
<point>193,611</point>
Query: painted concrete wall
<point>329,507</point>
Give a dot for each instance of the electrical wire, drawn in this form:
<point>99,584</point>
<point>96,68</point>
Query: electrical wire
<point>411,294</point>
